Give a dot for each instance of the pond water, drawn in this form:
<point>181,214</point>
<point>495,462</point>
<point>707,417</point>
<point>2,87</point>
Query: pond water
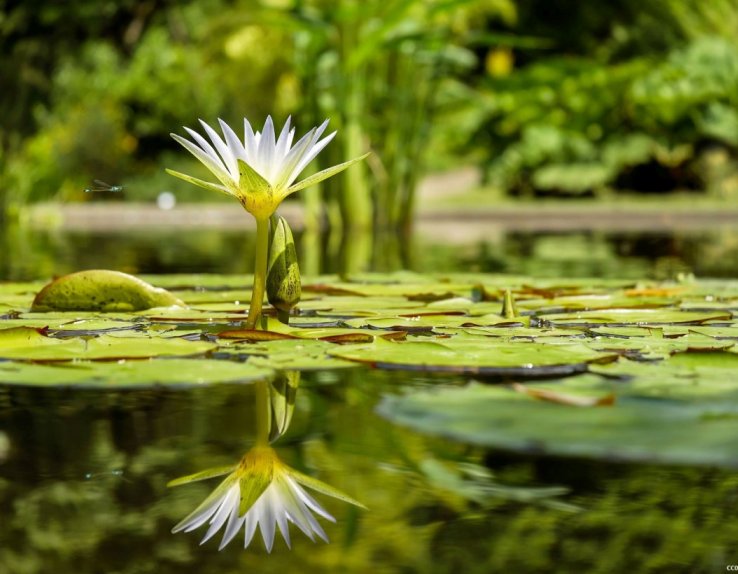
<point>36,254</point>
<point>84,491</point>
<point>83,473</point>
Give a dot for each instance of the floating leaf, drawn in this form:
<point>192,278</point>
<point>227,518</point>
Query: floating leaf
<point>101,290</point>
<point>633,317</point>
<point>634,429</point>
<point>132,374</point>
<point>474,355</point>
<point>28,344</point>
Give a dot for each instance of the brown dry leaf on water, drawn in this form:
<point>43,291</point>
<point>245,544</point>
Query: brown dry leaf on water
<point>565,399</point>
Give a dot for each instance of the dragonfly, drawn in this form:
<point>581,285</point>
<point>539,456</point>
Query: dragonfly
<point>102,186</point>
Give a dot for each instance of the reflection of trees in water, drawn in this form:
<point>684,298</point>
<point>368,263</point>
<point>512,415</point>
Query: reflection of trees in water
<point>30,253</point>
<point>656,255</point>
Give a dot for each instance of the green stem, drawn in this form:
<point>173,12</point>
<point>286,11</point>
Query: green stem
<point>263,413</point>
<point>260,271</point>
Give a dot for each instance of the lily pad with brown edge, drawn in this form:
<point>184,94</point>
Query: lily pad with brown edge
<point>172,373</point>
<point>28,344</point>
<point>69,323</point>
<point>635,317</point>
<point>101,290</point>
<point>475,356</point>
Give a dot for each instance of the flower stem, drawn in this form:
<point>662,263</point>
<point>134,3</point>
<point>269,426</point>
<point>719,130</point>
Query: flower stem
<point>263,413</point>
<point>260,271</point>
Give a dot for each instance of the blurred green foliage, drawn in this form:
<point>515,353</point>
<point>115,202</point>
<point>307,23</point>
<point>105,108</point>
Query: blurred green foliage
<point>549,96</point>
<point>644,97</point>
<point>112,89</point>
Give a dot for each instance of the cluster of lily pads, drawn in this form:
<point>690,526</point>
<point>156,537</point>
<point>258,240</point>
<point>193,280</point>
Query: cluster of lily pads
<point>610,369</point>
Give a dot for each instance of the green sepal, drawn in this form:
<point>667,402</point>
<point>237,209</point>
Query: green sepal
<point>199,182</point>
<point>202,475</point>
<point>325,174</point>
<point>252,487</point>
<point>323,488</point>
<point>255,183</point>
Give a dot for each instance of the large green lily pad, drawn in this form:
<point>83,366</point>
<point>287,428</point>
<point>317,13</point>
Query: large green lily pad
<point>132,374</point>
<point>634,428</point>
<point>472,355</point>
<point>27,344</point>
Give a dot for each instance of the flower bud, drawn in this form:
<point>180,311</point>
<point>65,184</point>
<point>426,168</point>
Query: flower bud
<point>283,285</point>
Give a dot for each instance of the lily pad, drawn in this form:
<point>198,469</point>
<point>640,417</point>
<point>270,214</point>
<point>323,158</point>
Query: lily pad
<point>633,317</point>
<point>101,290</point>
<point>637,429</point>
<point>133,374</point>
<point>23,343</point>
<point>288,354</point>
<point>475,356</point>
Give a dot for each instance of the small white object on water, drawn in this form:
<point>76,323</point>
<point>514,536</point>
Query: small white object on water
<point>166,200</point>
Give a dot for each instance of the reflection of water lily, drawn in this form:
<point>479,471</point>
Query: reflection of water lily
<point>260,171</point>
<point>260,492</point>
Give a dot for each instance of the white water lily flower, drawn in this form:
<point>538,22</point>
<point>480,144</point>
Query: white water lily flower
<point>261,492</point>
<point>261,169</point>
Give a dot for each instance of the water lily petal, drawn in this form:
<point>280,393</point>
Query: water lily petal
<point>267,521</point>
<point>232,528</point>
<point>234,143</point>
<point>206,508</point>
<point>213,164</point>
<point>310,155</point>
<point>250,142</point>
<point>313,504</point>
<point>284,141</point>
<point>228,506</point>
<point>266,163</point>
<point>250,524</point>
<point>287,171</point>
<point>226,155</point>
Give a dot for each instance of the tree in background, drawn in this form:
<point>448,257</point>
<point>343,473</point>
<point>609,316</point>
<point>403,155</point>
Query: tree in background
<point>626,95</point>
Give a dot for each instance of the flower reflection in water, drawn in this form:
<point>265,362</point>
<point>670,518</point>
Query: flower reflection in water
<point>262,491</point>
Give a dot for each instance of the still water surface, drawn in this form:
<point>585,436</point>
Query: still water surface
<point>83,473</point>
<point>36,254</point>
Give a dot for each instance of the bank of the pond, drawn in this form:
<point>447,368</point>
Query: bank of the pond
<point>444,222</point>
<point>451,206</point>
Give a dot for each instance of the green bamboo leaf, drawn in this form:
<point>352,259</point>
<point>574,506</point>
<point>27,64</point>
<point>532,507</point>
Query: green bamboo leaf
<point>202,475</point>
<point>199,182</point>
<point>325,174</point>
